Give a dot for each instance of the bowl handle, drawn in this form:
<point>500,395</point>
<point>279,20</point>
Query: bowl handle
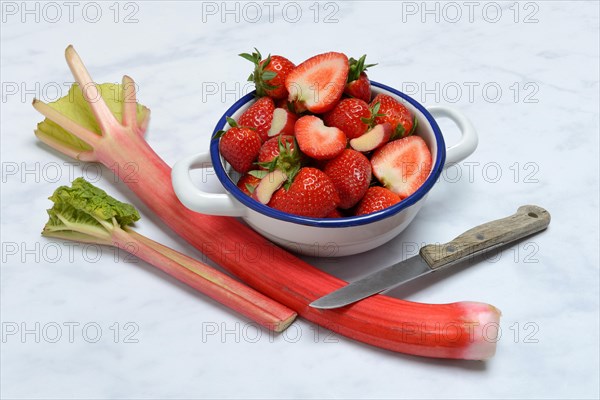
<point>468,141</point>
<point>196,199</point>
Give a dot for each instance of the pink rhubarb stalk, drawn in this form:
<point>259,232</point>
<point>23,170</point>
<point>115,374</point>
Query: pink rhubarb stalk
<point>456,330</point>
<point>87,214</point>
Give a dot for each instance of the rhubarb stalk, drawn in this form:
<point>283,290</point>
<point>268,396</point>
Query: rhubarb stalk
<point>458,330</point>
<point>87,214</point>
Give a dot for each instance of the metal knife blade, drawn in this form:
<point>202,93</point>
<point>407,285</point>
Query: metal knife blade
<point>526,221</point>
<point>379,281</point>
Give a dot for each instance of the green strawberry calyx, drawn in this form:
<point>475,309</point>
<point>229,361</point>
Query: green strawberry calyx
<point>289,161</point>
<point>260,76</point>
<point>232,124</point>
<point>357,67</point>
<point>370,122</point>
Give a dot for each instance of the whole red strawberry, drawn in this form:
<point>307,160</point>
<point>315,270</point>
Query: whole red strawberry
<point>335,214</point>
<point>396,114</point>
<point>358,84</point>
<point>269,74</point>
<point>350,173</point>
<point>377,198</point>
<point>311,194</point>
<point>273,147</point>
<point>239,146</point>
<point>351,116</point>
<point>259,116</point>
<point>359,88</point>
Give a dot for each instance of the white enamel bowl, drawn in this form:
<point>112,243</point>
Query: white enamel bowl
<point>324,237</point>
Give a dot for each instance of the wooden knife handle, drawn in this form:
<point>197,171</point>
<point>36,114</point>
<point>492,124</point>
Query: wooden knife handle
<point>526,221</point>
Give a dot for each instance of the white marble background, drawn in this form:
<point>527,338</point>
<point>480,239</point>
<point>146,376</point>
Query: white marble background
<point>540,132</point>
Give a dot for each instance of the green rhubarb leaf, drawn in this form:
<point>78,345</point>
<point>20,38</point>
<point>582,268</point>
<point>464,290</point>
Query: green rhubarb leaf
<point>86,198</point>
<point>74,106</point>
<point>65,218</point>
<point>85,212</point>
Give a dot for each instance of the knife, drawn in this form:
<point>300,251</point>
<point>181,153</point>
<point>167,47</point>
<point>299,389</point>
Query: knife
<point>526,221</point>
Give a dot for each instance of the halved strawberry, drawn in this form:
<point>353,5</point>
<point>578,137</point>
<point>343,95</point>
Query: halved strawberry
<point>273,147</point>
<point>396,114</point>
<point>239,146</point>
<point>311,194</point>
<point>377,198</point>
<point>259,116</point>
<point>318,83</point>
<point>349,115</point>
<point>402,165</point>
<point>249,181</point>
<point>374,138</point>
<point>283,122</point>
<point>317,140</point>
<point>358,84</point>
<point>268,185</point>
<point>269,74</point>
<point>350,173</point>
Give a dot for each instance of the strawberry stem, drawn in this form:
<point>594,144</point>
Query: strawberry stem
<point>259,76</point>
<point>357,67</point>
<point>370,122</point>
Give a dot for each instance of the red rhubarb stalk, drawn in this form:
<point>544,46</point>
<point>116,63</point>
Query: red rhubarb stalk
<point>87,214</point>
<point>458,330</point>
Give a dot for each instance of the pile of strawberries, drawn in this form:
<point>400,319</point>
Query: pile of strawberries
<point>315,144</point>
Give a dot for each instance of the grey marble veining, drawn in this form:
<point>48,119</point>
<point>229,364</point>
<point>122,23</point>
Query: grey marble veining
<point>528,79</point>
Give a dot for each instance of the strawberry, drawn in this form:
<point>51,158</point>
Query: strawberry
<point>318,83</point>
<point>292,106</point>
<point>377,198</point>
<point>283,122</point>
<point>249,181</point>
<point>273,147</point>
<point>358,84</point>
<point>311,194</point>
<point>373,139</point>
<point>336,213</point>
<point>317,140</point>
<point>239,146</point>
<point>259,116</point>
<point>278,156</point>
<point>359,88</point>
<point>402,165</point>
<point>350,173</point>
<point>351,116</point>
<point>396,114</point>
<point>270,183</point>
<point>269,75</point>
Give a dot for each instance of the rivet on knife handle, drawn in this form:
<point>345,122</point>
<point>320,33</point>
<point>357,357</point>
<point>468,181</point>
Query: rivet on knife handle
<point>526,221</point>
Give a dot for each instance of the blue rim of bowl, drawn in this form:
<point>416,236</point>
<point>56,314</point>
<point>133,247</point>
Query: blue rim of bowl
<point>231,187</point>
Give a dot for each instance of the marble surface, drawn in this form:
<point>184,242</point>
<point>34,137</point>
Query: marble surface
<point>82,323</point>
